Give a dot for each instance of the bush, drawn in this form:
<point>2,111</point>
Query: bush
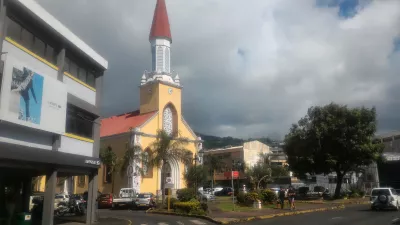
<point>191,207</point>
<point>268,196</point>
<point>172,202</point>
<point>241,198</point>
<point>354,195</point>
<point>362,193</point>
<point>204,206</point>
<point>251,197</point>
<point>186,194</point>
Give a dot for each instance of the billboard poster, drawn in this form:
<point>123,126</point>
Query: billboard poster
<point>32,98</point>
<point>26,95</point>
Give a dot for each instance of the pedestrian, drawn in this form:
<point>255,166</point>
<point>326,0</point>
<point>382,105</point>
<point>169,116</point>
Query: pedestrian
<point>281,196</point>
<point>291,196</point>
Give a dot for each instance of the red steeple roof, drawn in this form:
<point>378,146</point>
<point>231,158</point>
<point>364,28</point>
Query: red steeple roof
<point>160,27</point>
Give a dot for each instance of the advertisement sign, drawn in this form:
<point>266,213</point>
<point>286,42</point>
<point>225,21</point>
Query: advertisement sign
<point>33,99</point>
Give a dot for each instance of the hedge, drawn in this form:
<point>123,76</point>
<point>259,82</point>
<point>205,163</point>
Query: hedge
<point>191,207</point>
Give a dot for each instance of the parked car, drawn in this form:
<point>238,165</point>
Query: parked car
<point>105,201</point>
<point>226,191</point>
<point>145,200</point>
<point>384,198</point>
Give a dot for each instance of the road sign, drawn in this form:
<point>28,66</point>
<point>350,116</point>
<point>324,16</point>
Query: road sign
<point>168,180</point>
<point>229,174</point>
<point>169,185</point>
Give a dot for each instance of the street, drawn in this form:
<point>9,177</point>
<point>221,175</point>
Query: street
<point>352,215</point>
<point>139,217</point>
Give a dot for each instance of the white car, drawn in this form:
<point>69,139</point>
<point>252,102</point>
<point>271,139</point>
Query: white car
<point>384,198</point>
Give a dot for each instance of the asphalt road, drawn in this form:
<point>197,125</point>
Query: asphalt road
<point>352,215</point>
<point>138,217</point>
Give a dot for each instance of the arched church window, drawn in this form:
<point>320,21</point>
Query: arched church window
<point>160,58</point>
<point>168,120</point>
<point>167,63</point>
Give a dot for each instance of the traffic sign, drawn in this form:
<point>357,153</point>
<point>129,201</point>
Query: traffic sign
<point>235,174</point>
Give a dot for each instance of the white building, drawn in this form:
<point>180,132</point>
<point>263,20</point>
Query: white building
<point>49,104</point>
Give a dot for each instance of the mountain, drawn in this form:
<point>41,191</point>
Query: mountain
<point>211,142</point>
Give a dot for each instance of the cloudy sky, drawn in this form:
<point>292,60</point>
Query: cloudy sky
<point>250,68</point>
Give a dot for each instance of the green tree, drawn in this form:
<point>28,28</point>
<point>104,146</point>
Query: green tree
<point>165,148</point>
<point>196,175</point>
<point>213,163</point>
<point>111,161</point>
<point>333,138</point>
<point>279,171</point>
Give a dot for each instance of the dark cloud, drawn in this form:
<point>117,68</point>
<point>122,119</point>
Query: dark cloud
<point>248,69</point>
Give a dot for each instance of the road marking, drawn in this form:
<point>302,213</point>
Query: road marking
<point>180,223</point>
<point>335,218</point>
<point>198,222</point>
<point>395,220</point>
<point>162,223</point>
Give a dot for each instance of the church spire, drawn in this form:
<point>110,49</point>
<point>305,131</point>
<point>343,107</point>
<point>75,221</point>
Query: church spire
<point>160,40</point>
<point>160,26</point>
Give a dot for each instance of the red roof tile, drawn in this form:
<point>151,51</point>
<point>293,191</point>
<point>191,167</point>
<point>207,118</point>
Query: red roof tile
<point>122,123</point>
<point>160,26</point>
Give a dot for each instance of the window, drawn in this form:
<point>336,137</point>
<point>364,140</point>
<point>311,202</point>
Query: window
<point>153,57</point>
<point>39,47</point>
<point>13,30</point>
<point>160,57</point>
<point>27,39</point>
<point>81,180</point>
<point>167,65</point>
<point>50,54</point>
<point>73,69</point>
<point>79,122</point>
<point>80,72</point>
<point>82,75</point>
<point>90,79</point>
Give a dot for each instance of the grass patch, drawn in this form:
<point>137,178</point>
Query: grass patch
<point>224,203</point>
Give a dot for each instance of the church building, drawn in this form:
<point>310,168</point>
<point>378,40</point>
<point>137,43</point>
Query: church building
<point>160,108</point>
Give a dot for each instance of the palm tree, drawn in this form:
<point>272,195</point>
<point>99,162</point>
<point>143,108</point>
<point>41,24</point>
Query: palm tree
<point>111,161</point>
<point>213,163</point>
<point>165,148</point>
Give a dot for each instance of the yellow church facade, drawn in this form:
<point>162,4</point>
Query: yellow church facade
<point>160,109</point>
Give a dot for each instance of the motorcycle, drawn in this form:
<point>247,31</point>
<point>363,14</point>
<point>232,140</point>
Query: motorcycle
<point>71,207</point>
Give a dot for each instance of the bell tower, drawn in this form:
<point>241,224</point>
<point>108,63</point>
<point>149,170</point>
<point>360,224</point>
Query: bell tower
<point>160,87</point>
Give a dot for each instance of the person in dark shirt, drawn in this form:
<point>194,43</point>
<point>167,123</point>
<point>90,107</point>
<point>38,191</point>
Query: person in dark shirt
<point>291,196</point>
<point>281,196</point>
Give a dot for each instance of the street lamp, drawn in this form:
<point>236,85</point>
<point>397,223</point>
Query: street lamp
<point>197,156</point>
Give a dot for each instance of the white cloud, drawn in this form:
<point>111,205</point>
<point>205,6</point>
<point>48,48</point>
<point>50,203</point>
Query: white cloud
<point>295,55</point>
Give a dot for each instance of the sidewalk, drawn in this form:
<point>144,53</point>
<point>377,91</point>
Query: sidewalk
<point>230,216</point>
<point>101,221</point>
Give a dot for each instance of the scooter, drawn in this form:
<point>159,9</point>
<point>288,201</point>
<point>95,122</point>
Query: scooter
<point>72,207</point>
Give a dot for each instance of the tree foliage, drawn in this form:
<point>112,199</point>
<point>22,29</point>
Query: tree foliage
<point>261,170</point>
<point>196,175</point>
<point>166,148</point>
<point>332,138</point>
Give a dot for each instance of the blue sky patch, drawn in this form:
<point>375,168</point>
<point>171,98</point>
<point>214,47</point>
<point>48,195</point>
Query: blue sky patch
<point>346,8</point>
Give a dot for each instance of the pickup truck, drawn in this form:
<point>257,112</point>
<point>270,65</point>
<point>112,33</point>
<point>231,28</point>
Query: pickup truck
<point>127,197</point>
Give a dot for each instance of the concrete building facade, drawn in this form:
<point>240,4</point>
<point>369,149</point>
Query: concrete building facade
<point>51,83</point>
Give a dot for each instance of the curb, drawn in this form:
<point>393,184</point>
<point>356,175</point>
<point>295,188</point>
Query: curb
<point>335,203</point>
<point>150,211</point>
<point>251,218</point>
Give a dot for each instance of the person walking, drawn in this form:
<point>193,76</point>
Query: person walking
<point>281,197</point>
<point>291,196</point>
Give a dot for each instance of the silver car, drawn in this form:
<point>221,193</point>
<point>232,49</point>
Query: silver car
<point>145,200</point>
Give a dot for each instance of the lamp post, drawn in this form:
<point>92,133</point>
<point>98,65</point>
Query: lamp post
<point>235,164</point>
<point>197,156</point>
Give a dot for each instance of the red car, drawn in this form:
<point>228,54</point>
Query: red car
<point>105,201</point>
